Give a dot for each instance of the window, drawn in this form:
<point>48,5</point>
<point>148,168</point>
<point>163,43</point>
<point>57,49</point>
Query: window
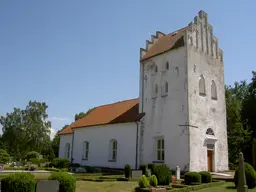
<point>166,87</point>
<point>85,150</point>
<point>160,149</point>
<point>202,86</point>
<point>155,69</point>
<point>113,150</point>
<point>209,131</point>
<point>167,65</point>
<point>213,91</point>
<point>155,91</point>
<point>67,150</point>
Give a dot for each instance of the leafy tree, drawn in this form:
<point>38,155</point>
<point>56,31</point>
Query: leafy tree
<point>4,156</point>
<point>29,129</point>
<point>2,145</point>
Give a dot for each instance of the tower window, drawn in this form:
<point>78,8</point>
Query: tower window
<point>202,86</point>
<point>167,65</point>
<point>213,91</point>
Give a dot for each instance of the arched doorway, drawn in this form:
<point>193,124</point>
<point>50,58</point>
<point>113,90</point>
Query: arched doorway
<point>210,144</point>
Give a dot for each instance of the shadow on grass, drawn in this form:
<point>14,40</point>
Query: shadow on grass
<point>231,187</point>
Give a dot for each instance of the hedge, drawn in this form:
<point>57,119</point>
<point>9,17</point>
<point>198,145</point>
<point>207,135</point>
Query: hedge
<point>18,182</point>
<point>191,178</point>
<point>67,181</point>
<point>206,177</point>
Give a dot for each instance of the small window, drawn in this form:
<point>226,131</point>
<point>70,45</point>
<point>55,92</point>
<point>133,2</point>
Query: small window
<point>167,65</point>
<point>209,131</point>
<point>155,69</point>
<point>67,150</point>
<point>166,87</point>
<point>113,150</point>
<point>160,149</point>
<point>156,89</point>
<point>85,150</point>
<point>202,86</point>
<point>213,91</point>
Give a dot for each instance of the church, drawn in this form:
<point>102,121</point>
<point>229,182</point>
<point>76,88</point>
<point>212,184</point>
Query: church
<point>179,117</point>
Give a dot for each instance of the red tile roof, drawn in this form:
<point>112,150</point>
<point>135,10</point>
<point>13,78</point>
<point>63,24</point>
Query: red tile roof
<point>119,112</point>
<point>166,43</point>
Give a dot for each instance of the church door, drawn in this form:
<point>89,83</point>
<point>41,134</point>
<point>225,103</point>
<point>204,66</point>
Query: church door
<point>210,157</point>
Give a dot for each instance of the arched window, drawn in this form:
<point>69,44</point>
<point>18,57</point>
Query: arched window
<point>113,150</point>
<point>166,87</point>
<point>85,150</point>
<point>209,131</point>
<point>202,86</point>
<point>167,65</point>
<point>67,150</point>
<point>213,91</point>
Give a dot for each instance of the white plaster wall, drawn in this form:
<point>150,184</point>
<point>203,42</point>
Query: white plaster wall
<point>99,137</point>
<point>166,115</point>
<point>63,140</point>
<point>203,111</point>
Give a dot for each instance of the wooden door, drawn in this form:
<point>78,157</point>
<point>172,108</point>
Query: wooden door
<point>209,157</point>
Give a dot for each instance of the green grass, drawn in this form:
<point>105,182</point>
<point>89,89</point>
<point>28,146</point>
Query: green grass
<point>227,187</point>
<point>114,186</point>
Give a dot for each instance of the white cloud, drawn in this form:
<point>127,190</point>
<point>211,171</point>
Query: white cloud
<point>59,119</point>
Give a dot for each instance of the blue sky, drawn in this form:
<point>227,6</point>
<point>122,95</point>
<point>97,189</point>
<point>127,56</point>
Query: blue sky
<point>78,54</point>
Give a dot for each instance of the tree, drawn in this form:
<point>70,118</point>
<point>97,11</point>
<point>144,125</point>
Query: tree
<point>2,145</point>
<point>82,114</point>
<point>238,136</point>
<point>4,156</point>
<point>26,130</point>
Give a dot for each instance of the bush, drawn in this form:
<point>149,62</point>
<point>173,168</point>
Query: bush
<point>4,156</point>
<point>250,176</point>
<point>89,169</point>
<point>206,177</point>
<point>143,169</point>
<point>143,182</point>
<point>61,163</point>
<point>67,181</point>
<point>127,171</point>
<point>34,160</point>
<point>153,181</point>
<point>32,154</point>
<point>151,166</point>
<point>192,178</point>
<point>18,182</point>
<point>162,173</point>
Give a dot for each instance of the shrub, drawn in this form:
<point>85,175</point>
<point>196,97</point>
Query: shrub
<point>148,172</point>
<point>192,178</point>
<point>151,166</point>
<point>206,177</point>
<point>34,160</point>
<point>143,181</point>
<point>127,171</point>
<point>18,182</point>
<point>163,174</point>
<point>89,169</point>
<point>153,181</point>
<point>67,181</point>
<point>143,169</point>
<point>61,163</point>
<point>4,156</point>
<point>250,176</point>
<point>43,160</point>
<point>32,154</point>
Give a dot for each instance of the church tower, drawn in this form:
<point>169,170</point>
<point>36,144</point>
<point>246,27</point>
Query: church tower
<point>182,95</point>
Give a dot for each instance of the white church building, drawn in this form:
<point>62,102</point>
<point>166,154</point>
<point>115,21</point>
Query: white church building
<point>179,118</point>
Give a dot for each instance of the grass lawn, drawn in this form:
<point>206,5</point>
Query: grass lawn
<point>113,186</point>
<point>228,187</point>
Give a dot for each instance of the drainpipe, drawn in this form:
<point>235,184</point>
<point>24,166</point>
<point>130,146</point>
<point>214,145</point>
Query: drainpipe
<point>72,146</point>
<point>137,143</point>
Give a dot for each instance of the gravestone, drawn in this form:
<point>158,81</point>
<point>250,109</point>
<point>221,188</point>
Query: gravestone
<point>242,187</point>
<point>178,173</point>
<point>1,167</point>
<point>48,186</point>
<point>136,174</point>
